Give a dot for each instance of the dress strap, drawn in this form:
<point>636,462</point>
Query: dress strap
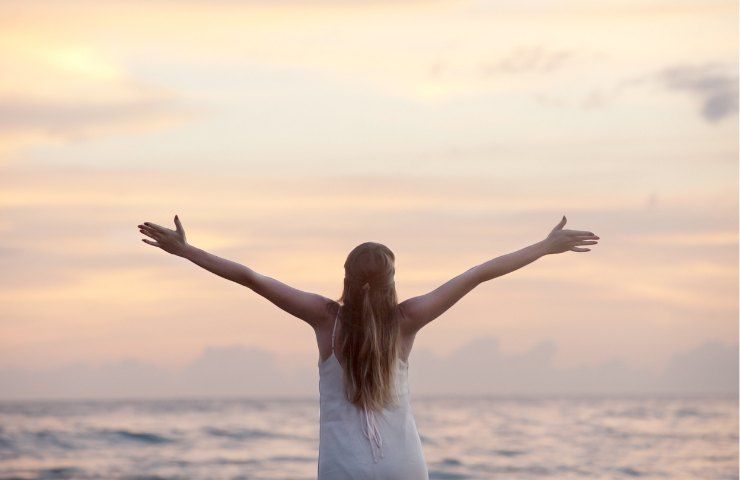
<point>334,330</point>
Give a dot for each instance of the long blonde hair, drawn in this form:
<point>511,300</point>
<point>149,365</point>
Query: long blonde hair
<point>370,328</point>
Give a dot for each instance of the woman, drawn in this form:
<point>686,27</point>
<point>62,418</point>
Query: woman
<point>367,427</point>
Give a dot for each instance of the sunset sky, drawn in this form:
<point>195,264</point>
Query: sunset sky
<point>285,133</point>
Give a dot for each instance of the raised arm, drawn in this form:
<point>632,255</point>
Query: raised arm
<point>419,311</point>
<point>309,307</point>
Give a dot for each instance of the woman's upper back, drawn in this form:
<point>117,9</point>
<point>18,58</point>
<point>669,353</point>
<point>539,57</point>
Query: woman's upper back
<point>330,330</point>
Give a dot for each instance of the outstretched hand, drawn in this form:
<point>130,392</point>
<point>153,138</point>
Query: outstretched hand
<point>171,241</point>
<point>560,240</point>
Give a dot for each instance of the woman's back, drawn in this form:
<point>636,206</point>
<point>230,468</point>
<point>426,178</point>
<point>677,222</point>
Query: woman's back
<point>357,444</point>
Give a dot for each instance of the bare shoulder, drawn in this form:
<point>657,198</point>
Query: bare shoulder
<point>420,310</point>
<point>406,325</point>
<point>407,334</point>
<point>327,320</point>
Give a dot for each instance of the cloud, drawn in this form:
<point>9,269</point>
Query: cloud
<point>530,59</point>
<point>61,87</point>
<point>82,118</point>
<point>481,368</point>
<point>706,368</point>
<point>478,368</point>
<point>231,370</point>
<point>714,85</point>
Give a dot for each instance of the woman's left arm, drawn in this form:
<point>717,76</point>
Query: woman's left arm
<point>309,307</point>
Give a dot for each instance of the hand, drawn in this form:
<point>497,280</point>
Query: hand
<point>560,240</point>
<point>171,241</point>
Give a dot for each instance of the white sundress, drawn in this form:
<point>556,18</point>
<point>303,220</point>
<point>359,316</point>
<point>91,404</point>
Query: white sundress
<point>357,444</point>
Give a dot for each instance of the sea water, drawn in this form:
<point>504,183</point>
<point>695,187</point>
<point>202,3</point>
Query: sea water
<point>594,437</point>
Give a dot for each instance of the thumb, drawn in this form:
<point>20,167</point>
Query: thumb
<point>178,225</point>
<point>561,223</point>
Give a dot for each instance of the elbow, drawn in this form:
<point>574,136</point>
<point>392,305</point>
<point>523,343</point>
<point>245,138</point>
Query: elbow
<point>478,275</point>
<point>248,279</point>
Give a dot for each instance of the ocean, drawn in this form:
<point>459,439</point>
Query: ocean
<point>594,437</point>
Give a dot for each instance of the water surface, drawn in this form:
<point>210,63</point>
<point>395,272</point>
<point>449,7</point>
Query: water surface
<point>465,438</point>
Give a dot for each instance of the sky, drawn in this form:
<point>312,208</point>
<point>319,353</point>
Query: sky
<point>285,133</point>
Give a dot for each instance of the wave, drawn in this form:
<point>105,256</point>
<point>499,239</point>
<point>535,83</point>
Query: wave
<point>249,434</point>
<point>508,453</point>
<point>50,473</point>
<point>292,458</point>
<point>693,412</point>
<point>450,462</point>
<point>142,437</point>
<point>629,471</point>
<point>239,434</point>
<point>51,438</point>
<point>442,475</point>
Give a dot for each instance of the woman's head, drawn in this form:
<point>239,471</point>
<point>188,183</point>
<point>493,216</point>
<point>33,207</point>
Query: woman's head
<point>369,265</point>
<point>370,328</point>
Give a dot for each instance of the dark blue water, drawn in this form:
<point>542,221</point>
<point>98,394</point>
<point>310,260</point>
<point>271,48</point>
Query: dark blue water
<point>508,438</point>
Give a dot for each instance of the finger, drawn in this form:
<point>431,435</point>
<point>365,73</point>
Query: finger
<point>576,249</point>
<point>587,237</point>
<point>157,227</point>
<point>580,232</point>
<point>178,225</point>
<point>146,227</point>
<point>587,242</point>
<point>155,234</point>
<point>150,242</point>
<point>148,234</point>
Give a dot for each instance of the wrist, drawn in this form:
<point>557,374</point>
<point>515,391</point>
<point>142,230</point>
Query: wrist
<point>188,252</point>
<point>544,247</point>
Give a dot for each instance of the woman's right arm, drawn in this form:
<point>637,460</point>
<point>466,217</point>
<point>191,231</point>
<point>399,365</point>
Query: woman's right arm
<point>419,311</point>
